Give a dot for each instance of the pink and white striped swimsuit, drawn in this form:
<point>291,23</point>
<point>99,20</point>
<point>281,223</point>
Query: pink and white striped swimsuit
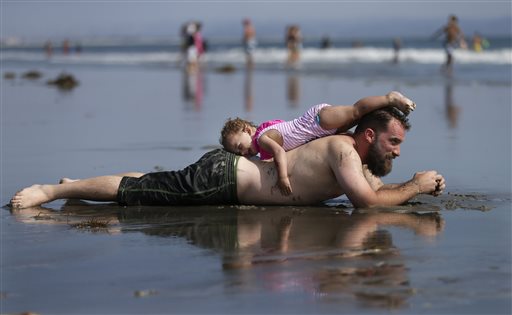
<point>294,132</point>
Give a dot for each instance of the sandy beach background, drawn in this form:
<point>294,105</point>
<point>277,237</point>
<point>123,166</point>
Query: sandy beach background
<point>446,255</point>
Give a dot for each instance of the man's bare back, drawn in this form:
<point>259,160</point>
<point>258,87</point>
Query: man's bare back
<point>310,172</point>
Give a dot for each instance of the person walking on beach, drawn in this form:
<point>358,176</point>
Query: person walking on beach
<point>249,41</point>
<point>273,138</point>
<point>199,41</point>
<point>397,45</point>
<point>320,170</point>
<point>453,38</point>
<point>192,45</point>
<point>293,44</point>
<point>48,48</point>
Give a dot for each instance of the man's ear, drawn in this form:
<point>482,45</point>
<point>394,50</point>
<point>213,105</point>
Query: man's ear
<point>369,135</point>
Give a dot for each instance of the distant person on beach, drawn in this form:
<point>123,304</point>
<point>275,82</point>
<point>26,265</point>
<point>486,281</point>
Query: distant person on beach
<point>249,40</point>
<point>78,47</point>
<point>199,41</point>
<point>48,48</point>
<point>273,138</point>
<point>293,44</point>
<point>397,45</point>
<point>325,43</point>
<point>190,47</point>
<point>65,46</point>
<point>479,43</point>
<point>453,38</point>
<point>184,40</point>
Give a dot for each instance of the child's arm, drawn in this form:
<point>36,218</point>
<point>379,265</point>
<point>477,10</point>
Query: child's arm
<point>270,145</point>
<point>370,103</point>
<point>345,117</point>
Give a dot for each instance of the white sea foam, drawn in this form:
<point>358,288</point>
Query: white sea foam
<point>271,56</point>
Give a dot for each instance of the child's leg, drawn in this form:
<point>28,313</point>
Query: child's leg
<point>103,188</point>
<point>345,117</point>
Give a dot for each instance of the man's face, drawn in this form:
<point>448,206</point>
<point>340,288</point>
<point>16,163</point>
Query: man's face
<point>384,148</point>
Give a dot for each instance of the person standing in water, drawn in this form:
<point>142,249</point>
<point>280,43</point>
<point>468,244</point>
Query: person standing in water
<point>453,38</point>
<point>249,41</point>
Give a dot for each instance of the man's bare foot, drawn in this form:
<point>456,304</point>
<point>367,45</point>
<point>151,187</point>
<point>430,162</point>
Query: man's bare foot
<point>67,180</point>
<point>401,102</point>
<point>31,196</point>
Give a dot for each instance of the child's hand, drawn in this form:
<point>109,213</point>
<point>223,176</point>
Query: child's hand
<point>284,186</point>
<point>401,102</point>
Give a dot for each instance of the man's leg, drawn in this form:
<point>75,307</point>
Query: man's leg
<point>103,188</point>
<point>129,174</point>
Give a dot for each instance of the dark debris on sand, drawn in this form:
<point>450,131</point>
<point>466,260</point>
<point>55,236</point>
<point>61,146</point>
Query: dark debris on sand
<point>466,202</point>
<point>32,75</point>
<point>64,81</point>
<point>226,69</point>
<point>92,224</point>
<point>9,75</point>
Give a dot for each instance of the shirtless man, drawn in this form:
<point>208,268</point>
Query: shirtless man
<point>453,38</point>
<point>319,170</point>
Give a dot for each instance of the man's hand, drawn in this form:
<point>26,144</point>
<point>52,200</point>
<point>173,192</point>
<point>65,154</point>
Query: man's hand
<point>429,182</point>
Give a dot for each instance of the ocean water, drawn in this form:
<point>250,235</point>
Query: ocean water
<point>419,58</point>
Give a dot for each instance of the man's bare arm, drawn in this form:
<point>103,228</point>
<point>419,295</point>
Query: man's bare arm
<point>368,191</point>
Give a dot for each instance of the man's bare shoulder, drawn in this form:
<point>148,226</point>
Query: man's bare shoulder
<point>327,145</point>
<point>339,147</point>
<point>341,141</point>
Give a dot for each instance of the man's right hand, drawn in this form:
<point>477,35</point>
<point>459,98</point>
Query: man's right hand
<point>429,182</point>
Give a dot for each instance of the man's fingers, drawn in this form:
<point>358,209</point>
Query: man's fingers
<point>440,186</point>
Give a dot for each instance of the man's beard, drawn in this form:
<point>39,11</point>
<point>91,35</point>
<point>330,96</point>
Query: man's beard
<point>380,164</point>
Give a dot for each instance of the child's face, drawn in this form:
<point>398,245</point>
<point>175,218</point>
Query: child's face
<point>240,143</point>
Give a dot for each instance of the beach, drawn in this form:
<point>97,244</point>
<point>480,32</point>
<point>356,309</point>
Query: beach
<point>444,255</point>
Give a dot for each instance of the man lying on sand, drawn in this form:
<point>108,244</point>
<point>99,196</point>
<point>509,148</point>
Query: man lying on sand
<point>319,170</point>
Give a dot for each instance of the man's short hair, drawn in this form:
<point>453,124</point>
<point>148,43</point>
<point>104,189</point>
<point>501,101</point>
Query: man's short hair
<point>379,119</point>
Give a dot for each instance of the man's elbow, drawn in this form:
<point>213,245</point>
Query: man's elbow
<point>364,203</point>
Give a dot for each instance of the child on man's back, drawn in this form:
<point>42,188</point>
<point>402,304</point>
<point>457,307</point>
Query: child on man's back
<point>273,138</point>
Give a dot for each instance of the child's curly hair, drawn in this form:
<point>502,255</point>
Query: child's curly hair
<point>233,125</point>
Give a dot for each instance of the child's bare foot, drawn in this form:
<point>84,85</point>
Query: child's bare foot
<point>67,180</point>
<point>401,102</point>
<point>31,196</point>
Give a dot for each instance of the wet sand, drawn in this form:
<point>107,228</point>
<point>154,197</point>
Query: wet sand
<point>434,255</point>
